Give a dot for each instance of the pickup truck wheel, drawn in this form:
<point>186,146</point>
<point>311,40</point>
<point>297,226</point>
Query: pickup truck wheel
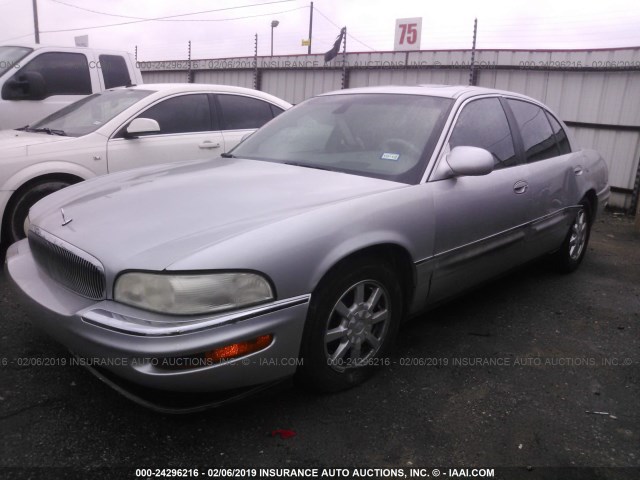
<point>352,322</point>
<point>574,247</point>
<point>18,208</point>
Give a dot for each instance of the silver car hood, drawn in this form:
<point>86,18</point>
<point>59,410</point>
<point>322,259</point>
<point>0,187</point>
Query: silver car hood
<point>150,218</point>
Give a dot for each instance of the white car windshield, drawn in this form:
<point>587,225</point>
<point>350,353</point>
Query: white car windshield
<point>90,113</point>
<point>385,136</point>
<point>10,57</point>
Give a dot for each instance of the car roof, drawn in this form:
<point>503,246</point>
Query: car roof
<point>170,88</point>
<point>432,90</point>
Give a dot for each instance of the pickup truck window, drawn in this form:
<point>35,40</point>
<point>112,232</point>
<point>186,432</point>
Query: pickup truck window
<point>63,73</point>
<point>90,113</point>
<point>538,138</point>
<point>10,57</point>
<point>114,71</point>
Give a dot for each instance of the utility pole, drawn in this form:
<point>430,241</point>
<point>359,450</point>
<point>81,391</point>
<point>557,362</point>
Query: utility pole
<point>35,20</point>
<point>310,28</point>
<point>472,72</point>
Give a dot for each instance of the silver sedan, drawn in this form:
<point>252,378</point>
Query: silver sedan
<point>301,251</point>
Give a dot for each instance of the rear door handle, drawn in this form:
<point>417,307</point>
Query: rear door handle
<point>208,144</point>
<point>520,186</point>
<point>578,170</point>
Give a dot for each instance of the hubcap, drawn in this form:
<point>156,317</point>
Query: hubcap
<point>357,325</point>
<point>578,237</point>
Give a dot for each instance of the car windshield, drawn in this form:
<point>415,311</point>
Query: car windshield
<point>90,113</point>
<point>10,56</point>
<point>386,136</point>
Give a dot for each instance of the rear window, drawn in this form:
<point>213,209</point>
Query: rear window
<point>114,71</point>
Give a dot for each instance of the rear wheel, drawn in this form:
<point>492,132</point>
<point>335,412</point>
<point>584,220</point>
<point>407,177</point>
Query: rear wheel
<point>18,209</point>
<point>352,322</point>
<point>574,247</point>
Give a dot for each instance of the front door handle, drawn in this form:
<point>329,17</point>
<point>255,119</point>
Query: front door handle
<point>520,187</point>
<point>578,170</point>
<point>209,144</point>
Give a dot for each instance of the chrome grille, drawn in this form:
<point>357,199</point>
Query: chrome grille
<point>84,276</point>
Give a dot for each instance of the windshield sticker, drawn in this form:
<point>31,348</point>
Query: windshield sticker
<point>390,156</point>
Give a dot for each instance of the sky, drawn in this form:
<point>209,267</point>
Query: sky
<point>227,27</point>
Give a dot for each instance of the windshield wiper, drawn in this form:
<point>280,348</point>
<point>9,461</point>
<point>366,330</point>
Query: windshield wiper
<point>227,155</point>
<point>49,131</point>
<point>297,164</point>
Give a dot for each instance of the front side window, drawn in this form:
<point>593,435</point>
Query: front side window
<point>183,114</point>
<point>537,136</point>
<point>114,71</point>
<point>386,136</point>
<point>242,113</point>
<point>90,113</point>
<point>483,124</point>
<point>63,73</point>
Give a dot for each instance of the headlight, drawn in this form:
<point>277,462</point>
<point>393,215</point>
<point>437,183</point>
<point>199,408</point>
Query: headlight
<point>191,294</point>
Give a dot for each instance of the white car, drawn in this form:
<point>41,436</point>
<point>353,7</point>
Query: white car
<point>119,129</point>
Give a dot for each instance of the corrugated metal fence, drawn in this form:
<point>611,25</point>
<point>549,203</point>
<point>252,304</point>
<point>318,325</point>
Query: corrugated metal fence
<point>596,92</point>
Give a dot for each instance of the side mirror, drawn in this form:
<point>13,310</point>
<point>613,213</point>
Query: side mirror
<point>470,161</point>
<point>142,125</point>
<point>25,86</point>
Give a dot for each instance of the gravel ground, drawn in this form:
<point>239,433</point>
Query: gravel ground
<point>535,369</point>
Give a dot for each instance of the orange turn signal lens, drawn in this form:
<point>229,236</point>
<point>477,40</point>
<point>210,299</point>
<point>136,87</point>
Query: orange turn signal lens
<point>239,349</point>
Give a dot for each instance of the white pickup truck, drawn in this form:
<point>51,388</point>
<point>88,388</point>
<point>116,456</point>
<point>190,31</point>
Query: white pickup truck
<point>36,80</point>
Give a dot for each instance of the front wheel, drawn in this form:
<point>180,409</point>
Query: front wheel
<point>18,208</point>
<point>352,322</point>
<point>574,247</point>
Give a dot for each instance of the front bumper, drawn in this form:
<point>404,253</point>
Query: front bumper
<point>128,343</point>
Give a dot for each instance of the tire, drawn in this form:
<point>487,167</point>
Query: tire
<point>18,208</point>
<point>347,333</point>
<point>574,247</point>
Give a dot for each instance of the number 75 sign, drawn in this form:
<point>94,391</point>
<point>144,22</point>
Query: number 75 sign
<point>408,32</point>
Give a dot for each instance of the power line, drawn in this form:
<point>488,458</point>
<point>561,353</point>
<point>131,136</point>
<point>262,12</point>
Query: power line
<point>165,18</point>
<point>16,38</point>
<point>171,18</point>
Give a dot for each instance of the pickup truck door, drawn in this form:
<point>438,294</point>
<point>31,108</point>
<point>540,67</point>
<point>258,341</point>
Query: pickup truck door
<point>64,77</point>
<point>188,131</point>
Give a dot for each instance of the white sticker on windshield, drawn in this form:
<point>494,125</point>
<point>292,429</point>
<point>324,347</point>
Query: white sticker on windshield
<point>390,156</point>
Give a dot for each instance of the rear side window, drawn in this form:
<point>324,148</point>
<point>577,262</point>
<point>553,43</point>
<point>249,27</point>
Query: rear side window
<point>537,136</point>
<point>240,113</point>
<point>183,114</point>
<point>483,124</point>
<point>114,71</point>
<point>63,73</point>
<point>561,135</point>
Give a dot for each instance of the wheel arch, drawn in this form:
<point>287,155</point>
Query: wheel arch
<point>394,254</point>
<point>24,187</point>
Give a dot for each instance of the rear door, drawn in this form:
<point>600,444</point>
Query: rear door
<point>479,220</point>
<point>552,175</point>
<point>188,131</point>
